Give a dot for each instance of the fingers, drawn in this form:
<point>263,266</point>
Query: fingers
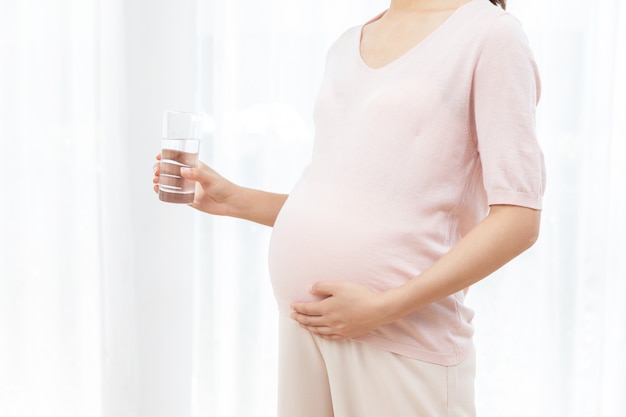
<point>156,169</point>
<point>319,326</point>
<point>308,309</point>
<point>194,174</point>
<point>316,308</point>
<point>313,317</point>
<point>305,320</point>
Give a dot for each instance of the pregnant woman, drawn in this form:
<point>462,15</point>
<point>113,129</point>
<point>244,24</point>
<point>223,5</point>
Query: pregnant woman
<point>426,176</point>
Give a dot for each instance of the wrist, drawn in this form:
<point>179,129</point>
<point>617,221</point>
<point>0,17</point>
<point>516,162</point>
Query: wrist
<point>390,308</point>
<point>255,205</point>
<point>235,201</point>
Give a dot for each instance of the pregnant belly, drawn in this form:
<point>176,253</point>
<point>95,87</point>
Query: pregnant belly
<point>333,242</point>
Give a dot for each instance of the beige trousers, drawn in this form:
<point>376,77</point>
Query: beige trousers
<point>323,378</point>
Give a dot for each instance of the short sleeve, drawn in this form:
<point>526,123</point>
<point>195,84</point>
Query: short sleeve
<point>505,92</point>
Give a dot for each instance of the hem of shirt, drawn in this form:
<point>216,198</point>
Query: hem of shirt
<point>438,358</point>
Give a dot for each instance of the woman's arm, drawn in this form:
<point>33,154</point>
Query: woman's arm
<point>217,195</point>
<point>256,205</point>
<point>351,310</point>
<point>504,234</point>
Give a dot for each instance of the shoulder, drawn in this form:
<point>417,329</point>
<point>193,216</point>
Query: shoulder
<point>347,37</point>
<point>498,26</point>
<point>494,33</point>
<point>483,16</point>
<point>505,40</point>
<point>506,27</point>
<point>344,46</point>
<point>344,41</point>
<point>483,25</point>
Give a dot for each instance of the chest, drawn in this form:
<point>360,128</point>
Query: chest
<point>385,40</point>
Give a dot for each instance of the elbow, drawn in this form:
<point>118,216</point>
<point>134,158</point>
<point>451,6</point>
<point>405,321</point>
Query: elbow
<point>530,231</point>
<point>520,225</point>
<point>533,236</point>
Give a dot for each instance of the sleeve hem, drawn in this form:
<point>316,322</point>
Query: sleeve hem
<point>515,198</point>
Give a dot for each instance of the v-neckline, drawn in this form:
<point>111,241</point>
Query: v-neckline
<point>400,57</point>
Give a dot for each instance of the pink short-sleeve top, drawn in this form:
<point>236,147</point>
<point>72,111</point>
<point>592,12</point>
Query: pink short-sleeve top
<point>407,159</point>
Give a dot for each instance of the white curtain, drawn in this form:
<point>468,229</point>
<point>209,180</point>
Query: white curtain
<point>115,304</point>
<point>551,327</point>
<point>66,325</point>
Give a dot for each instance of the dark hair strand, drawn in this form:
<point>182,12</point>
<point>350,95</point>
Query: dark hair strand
<point>501,3</point>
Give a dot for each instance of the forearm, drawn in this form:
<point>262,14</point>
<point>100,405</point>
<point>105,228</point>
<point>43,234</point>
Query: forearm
<point>257,206</point>
<point>218,196</point>
<point>505,233</point>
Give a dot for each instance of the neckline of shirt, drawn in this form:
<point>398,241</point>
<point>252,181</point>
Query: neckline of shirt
<point>440,28</point>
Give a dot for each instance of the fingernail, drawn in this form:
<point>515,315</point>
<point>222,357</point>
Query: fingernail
<point>185,170</point>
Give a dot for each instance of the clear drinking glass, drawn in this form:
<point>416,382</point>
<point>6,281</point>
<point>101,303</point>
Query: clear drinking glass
<point>179,148</point>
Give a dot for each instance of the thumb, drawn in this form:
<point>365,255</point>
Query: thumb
<point>323,288</point>
<point>201,173</point>
<point>196,174</point>
<point>189,173</point>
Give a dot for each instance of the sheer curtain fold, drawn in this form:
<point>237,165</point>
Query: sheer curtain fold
<point>50,302</point>
<point>119,326</point>
<point>599,365</point>
<point>61,95</point>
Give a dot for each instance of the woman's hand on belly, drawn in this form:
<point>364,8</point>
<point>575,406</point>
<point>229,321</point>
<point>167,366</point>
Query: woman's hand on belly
<point>348,310</point>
